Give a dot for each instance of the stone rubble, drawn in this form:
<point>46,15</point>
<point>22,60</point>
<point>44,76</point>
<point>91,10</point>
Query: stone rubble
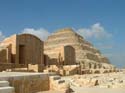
<point>56,83</point>
<point>112,80</point>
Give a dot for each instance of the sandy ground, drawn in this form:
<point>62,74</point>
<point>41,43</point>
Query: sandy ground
<point>96,90</point>
<point>51,92</point>
<point>90,90</point>
<point>76,89</point>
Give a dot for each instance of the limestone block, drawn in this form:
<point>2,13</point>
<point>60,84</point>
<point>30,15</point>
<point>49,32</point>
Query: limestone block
<point>33,68</point>
<point>56,83</point>
<point>26,82</point>
<point>4,83</point>
<point>7,90</point>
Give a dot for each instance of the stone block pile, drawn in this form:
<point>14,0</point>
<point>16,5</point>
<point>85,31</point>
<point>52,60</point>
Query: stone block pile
<point>56,83</point>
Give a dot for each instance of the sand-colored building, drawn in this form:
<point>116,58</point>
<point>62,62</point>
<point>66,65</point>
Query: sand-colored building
<point>63,55</point>
<point>21,50</point>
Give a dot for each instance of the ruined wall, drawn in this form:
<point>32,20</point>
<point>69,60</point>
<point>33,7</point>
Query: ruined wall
<point>3,56</point>
<point>63,55</point>
<point>54,56</point>
<point>26,82</point>
<point>30,49</point>
<point>21,50</point>
<point>26,47</point>
<point>11,42</point>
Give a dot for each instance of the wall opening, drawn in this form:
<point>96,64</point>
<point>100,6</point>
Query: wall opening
<point>21,54</point>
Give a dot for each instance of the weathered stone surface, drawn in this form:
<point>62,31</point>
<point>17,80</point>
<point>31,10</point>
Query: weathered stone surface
<point>86,54</point>
<point>5,54</point>
<point>84,82</point>
<point>7,90</point>
<point>56,83</point>
<point>110,80</point>
<point>4,83</point>
<point>63,55</point>
<point>5,87</point>
<point>64,70</point>
<point>21,50</point>
<point>26,82</point>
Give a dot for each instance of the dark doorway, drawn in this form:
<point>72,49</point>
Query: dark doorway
<point>21,54</point>
<point>45,61</point>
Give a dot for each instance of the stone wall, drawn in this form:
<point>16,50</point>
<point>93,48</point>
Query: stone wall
<point>5,54</point>
<point>33,49</point>
<point>22,49</point>
<point>26,82</point>
<point>63,70</point>
<point>29,44</point>
<point>63,55</point>
<point>11,41</point>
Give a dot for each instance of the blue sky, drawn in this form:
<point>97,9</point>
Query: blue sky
<point>102,22</point>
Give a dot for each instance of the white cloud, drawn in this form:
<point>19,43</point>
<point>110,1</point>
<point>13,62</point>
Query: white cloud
<point>41,33</point>
<point>1,36</point>
<point>95,31</point>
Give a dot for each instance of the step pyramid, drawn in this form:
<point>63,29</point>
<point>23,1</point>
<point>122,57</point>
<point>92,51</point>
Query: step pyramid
<point>86,54</point>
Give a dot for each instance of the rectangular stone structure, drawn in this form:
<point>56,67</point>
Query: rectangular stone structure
<point>21,49</point>
<point>26,82</point>
<point>63,55</point>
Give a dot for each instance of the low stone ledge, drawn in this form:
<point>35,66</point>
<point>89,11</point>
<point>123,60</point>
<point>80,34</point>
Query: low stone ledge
<point>26,82</point>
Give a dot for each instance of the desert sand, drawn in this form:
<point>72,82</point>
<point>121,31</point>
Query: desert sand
<point>107,83</point>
